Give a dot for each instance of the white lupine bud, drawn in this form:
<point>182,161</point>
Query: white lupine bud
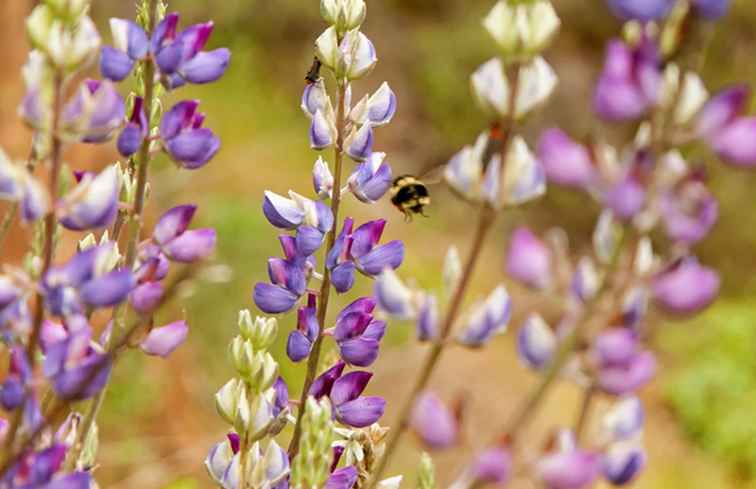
<point>644,258</point>
<point>490,88</point>
<point>344,15</point>
<point>69,9</point>
<point>227,399</point>
<point>537,81</point>
<point>69,47</point>
<point>452,270</point>
<point>606,237</point>
<point>254,417</point>
<point>39,27</point>
<point>264,371</point>
<point>261,332</point>
<point>683,93</point>
<point>522,29</point>
<point>390,483</point>
<point>322,178</point>
<point>357,56</point>
<point>327,48</point>
<point>524,178</point>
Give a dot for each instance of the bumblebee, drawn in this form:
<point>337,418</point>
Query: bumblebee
<point>410,196</point>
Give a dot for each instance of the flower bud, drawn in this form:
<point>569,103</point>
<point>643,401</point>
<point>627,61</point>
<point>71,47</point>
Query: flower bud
<point>344,15</point>
<point>529,259</point>
<point>359,143</point>
<point>312,465</point>
<point>393,296</point>
<point>253,418</point>
<point>586,280</point>
<point>164,340</point>
<point>322,179</point>
<point>536,342</point>
<point>522,29</point>
<point>623,462</point>
<point>227,399</point>
<point>261,333</point>
<point>426,473</point>
<point>350,59</point>
<point>433,422</point>
<point>625,419</point>
<point>93,203</point>
<point>524,178</point>
<point>69,9</point>
<point>488,319</point>
<point>371,179</point>
<point>69,47</point>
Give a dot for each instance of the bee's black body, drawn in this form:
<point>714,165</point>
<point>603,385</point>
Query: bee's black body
<point>409,195</point>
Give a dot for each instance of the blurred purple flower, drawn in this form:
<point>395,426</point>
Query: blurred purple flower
<point>565,161</point>
<point>164,340</point>
<point>642,10</point>
<point>529,259</point>
<point>76,366</point>
<point>686,287</point>
<point>433,422</point>
<point>93,203</point>
<point>487,319</point>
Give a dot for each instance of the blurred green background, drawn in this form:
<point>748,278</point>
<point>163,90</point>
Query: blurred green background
<point>159,418</point>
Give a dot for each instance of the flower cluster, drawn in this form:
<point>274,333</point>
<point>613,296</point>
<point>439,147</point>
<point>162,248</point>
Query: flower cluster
<point>50,307</point>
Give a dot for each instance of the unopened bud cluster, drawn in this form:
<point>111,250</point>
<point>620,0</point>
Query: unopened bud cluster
<point>312,466</point>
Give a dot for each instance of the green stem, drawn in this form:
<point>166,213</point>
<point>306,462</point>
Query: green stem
<point>134,231</point>
<point>325,288</point>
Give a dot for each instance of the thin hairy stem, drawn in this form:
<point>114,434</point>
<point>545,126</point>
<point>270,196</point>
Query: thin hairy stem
<point>487,218</point>
<point>325,288</point>
<point>134,231</point>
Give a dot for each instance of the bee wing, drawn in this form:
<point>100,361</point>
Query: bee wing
<point>432,175</point>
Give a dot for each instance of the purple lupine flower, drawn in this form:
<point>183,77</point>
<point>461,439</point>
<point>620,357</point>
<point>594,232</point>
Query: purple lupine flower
<point>630,82</point>
<point>689,210</point>
<point>77,367</point>
<point>93,203</point>
<point>686,287</point>
<point>529,259</point>
<point>722,125</point>
<point>131,45</point>
<point>40,469</point>
<point>282,396</point>
<point>623,462</point>
<point>427,319</point>
<point>393,296</point>
<point>301,340</point>
<point>179,56</point>
<point>623,366</point>
<point>343,478</point>
<point>642,10</point>
<point>359,144</point>
<point>357,334</point>
<point>487,319</point>
<point>18,185</point>
<point>711,9</point>
<point>164,340</point>
<point>493,466</point>
<point>570,467</point>
<point>13,389</point>
<point>324,382</point>
<point>177,242</point>
<point>69,289</point>
<point>352,409</point>
<point>14,310</point>
<point>359,250</point>
<point>146,297</point>
<point>434,423</point>
<point>132,136</point>
<point>536,342</point>
<point>297,211</point>
<point>188,143</point>
<point>626,198</point>
<point>95,112</point>
<point>625,419</point>
<point>220,460</point>
<point>565,161</point>
<point>371,179</point>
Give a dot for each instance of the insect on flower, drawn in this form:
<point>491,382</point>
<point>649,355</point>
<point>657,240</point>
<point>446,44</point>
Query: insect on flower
<point>313,74</point>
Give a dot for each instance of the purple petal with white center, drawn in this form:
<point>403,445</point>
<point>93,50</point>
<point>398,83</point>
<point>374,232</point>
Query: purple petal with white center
<point>282,212</point>
<point>108,113</point>
<point>108,290</point>
<point>94,203</point>
<point>711,9</point>
<point>179,117</point>
<point>362,412</point>
<point>433,422</point>
<point>529,259</point>
<point>625,419</point>
<point>298,346</point>
<point>565,161</point>
<point>322,178</point>
<point>321,132</point>
<point>382,106</point>
<point>308,240</point>
<point>361,352</point>
<point>349,387</point>
<point>206,67</point>
<point>427,319</point>
<point>360,145</point>
<point>623,462</point>
<point>390,255</point>
<point>115,65</point>
<point>722,109</point>
<point>273,299</point>
<point>164,340</point>
<point>686,287</point>
<point>342,277</point>
<point>343,478</point>
<point>194,148</point>
<point>173,223</point>
<point>628,378</point>
<point>146,298</point>
<point>282,396</point>
<point>314,98</point>
<point>488,319</point>
<point>494,466</point>
<point>642,10</point>
<point>324,383</point>
<point>736,143</point>
<point>191,246</point>
<point>536,342</point>
<point>569,470</point>
<point>626,198</point>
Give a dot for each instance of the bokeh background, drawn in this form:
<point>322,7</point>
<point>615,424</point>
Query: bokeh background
<point>159,419</point>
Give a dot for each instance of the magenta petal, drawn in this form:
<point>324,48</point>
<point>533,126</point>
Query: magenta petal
<point>722,109</point>
<point>179,117</point>
<point>162,341</point>
<point>687,287</point>
<point>736,143</point>
<point>390,255</point>
<point>349,386</point>
<point>361,412</point>
<point>529,259</point>
<point>191,246</point>
<point>569,470</point>
<point>324,383</point>
<point>565,161</point>
<point>146,298</point>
